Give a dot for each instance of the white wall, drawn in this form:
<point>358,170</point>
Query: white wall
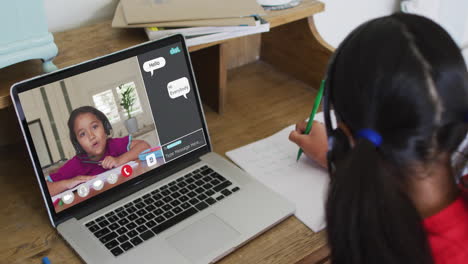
<point>34,108</point>
<point>452,15</point>
<point>341,16</point>
<point>67,14</point>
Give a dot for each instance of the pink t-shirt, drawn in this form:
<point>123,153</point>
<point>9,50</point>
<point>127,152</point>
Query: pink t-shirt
<point>76,167</point>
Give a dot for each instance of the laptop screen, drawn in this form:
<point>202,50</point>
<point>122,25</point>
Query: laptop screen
<point>97,129</point>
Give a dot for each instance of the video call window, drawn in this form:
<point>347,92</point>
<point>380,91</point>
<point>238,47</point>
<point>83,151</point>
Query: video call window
<point>83,135</point>
<point>105,102</point>
<point>108,101</point>
<point>96,130</point>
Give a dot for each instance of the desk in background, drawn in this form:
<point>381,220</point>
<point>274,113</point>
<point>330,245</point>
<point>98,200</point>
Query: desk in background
<point>293,46</point>
<point>263,98</point>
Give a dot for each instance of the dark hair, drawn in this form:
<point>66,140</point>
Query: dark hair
<point>82,110</point>
<point>405,78</point>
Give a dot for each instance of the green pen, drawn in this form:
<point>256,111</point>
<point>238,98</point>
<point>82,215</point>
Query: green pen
<point>312,114</point>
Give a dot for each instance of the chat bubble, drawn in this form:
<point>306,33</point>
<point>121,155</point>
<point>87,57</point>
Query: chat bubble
<point>179,87</point>
<point>152,65</point>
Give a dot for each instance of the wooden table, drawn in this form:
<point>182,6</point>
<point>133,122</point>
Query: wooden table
<point>261,102</point>
<point>257,100</point>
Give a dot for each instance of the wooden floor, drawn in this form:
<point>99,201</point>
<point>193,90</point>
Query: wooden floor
<point>260,102</point>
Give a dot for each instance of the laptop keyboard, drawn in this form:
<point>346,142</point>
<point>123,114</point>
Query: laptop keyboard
<point>141,219</point>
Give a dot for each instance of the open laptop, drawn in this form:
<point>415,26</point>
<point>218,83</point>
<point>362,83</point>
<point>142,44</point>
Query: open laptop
<point>150,192</point>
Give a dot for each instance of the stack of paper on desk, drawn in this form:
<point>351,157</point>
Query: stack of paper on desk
<point>201,35</point>
<point>273,162</point>
<point>202,21</point>
<point>119,21</point>
<point>144,11</point>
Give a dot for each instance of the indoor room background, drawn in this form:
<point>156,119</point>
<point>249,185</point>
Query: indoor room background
<point>47,109</point>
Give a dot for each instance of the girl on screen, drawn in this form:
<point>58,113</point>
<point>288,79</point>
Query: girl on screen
<point>399,89</point>
<point>96,150</point>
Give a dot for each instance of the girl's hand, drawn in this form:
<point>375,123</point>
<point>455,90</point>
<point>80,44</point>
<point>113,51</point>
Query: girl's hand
<point>314,144</point>
<point>70,183</point>
<point>110,162</point>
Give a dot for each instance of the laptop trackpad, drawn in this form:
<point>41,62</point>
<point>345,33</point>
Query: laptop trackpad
<point>203,237</point>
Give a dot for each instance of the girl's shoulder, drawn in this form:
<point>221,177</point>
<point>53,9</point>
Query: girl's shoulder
<point>447,231</point>
<point>119,141</point>
<point>70,169</point>
<point>74,162</point>
<point>116,146</point>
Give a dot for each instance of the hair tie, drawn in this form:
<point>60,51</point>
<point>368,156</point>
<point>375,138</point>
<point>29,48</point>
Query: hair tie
<point>370,135</point>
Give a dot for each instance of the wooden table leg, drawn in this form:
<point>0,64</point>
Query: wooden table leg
<point>297,49</point>
<point>211,74</point>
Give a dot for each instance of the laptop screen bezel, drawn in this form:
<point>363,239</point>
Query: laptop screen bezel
<point>137,183</point>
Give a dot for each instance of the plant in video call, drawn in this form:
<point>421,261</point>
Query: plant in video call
<point>128,99</point>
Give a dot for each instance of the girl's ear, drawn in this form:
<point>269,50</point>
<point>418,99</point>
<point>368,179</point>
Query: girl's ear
<point>348,133</point>
<point>110,133</point>
<point>78,148</point>
<point>108,127</point>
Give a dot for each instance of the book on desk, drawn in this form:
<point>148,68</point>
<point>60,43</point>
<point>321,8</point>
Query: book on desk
<point>199,26</point>
<point>201,35</point>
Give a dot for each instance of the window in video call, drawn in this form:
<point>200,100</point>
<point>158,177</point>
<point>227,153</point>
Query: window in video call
<point>98,129</point>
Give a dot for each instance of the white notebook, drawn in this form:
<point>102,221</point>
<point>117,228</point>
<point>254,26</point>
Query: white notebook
<point>272,161</point>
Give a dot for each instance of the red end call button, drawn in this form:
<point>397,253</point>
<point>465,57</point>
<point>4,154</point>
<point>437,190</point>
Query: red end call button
<point>126,171</point>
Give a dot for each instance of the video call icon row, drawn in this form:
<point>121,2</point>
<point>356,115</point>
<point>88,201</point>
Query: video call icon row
<point>83,189</point>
